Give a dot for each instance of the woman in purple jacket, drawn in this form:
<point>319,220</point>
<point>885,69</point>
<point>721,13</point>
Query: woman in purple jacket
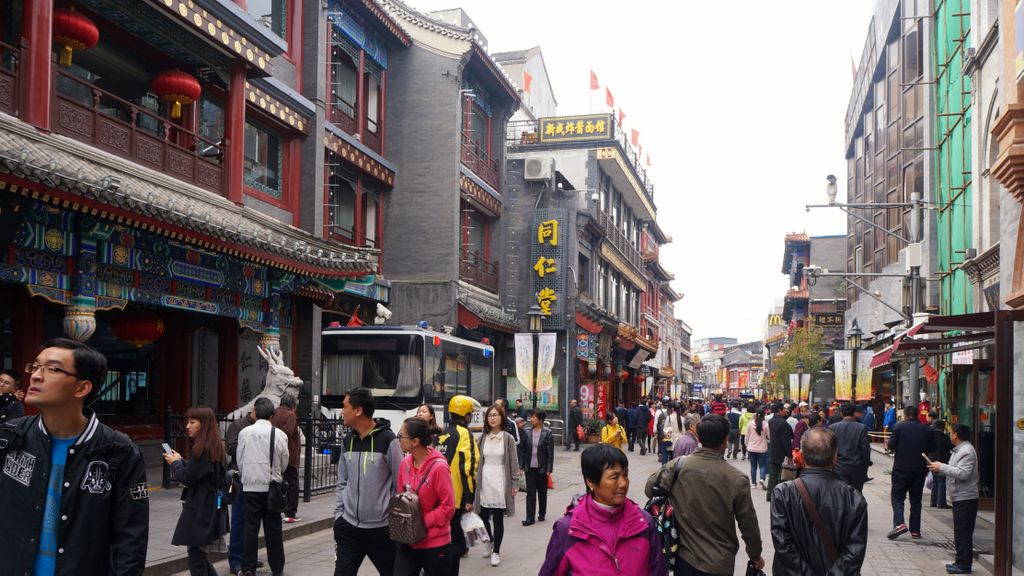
<point>605,532</point>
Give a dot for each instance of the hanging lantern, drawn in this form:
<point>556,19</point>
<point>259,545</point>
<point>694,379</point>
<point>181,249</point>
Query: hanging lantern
<point>177,88</point>
<point>73,31</point>
<point>624,376</point>
<point>139,327</point>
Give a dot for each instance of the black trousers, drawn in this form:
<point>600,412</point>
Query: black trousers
<point>199,564</point>
<point>640,435</point>
<point>291,476</point>
<point>355,544</point>
<point>965,512</point>
<point>458,545</point>
<point>743,443</point>
<point>904,482</point>
<point>574,440</point>
<point>631,438</point>
<point>432,561</point>
<point>257,512</point>
<point>734,442</point>
<point>774,477</point>
<point>536,489</point>
<point>497,534</point>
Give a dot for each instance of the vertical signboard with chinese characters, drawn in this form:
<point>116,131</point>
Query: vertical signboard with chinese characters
<point>548,265</point>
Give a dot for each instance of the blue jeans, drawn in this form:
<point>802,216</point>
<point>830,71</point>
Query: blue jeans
<point>758,460</point>
<point>938,490</point>
<point>237,532</point>
<point>666,453</point>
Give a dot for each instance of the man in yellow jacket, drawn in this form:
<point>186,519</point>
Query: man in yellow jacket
<point>463,455</point>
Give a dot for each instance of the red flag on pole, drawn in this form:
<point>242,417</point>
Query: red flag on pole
<point>354,320</point>
<point>634,136</point>
<point>527,79</point>
<point>608,98</point>
<point>622,116</point>
<point>593,81</point>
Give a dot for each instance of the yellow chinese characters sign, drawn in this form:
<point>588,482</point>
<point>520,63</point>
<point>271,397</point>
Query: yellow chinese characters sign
<point>576,128</point>
<point>547,255</point>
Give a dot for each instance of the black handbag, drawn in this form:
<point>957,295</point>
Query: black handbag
<point>277,490</point>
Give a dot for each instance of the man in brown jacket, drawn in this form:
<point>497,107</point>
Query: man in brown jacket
<point>286,420</point>
<point>710,498</point>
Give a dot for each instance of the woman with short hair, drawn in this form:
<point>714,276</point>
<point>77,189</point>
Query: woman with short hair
<point>605,533</point>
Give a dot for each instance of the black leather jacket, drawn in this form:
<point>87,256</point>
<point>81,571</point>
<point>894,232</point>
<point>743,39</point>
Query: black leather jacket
<point>104,523</point>
<point>799,549</point>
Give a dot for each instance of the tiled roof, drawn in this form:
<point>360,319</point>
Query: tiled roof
<point>82,173</point>
<point>797,237</point>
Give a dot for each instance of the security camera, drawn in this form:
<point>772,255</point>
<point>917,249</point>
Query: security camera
<point>383,314</point>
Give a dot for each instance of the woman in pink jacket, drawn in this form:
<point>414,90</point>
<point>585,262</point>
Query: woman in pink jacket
<point>605,532</point>
<point>437,501</point>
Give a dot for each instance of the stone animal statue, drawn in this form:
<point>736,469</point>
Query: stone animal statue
<point>280,380</point>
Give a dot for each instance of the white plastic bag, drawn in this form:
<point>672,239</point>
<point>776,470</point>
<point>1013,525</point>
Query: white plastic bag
<point>929,481</point>
<point>473,526</point>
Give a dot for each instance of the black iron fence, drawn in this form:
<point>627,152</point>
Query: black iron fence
<point>321,451</point>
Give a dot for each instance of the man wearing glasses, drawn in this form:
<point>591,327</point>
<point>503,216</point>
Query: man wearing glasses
<point>73,491</point>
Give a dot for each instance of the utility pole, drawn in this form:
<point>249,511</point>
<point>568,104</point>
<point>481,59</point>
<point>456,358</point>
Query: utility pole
<point>914,257</point>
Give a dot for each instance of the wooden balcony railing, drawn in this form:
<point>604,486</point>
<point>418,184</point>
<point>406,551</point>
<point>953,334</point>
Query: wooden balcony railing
<point>342,120</point>
<point>9,79</point>
<point>89,114</point>
<point>617,239</point>
<point>478,272</point>
<point>476,159</point>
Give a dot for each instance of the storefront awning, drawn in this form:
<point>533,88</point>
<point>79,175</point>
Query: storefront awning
<point>945,335</point>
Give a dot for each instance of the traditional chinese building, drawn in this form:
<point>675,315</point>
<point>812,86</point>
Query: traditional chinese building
<point>162,188</point>
<point>449,102</point>
<point>581,172</point>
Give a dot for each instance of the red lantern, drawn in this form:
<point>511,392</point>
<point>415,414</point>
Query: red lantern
<point>176,87</point>
<point>73,31</point>
<point>139,327</point>
<point>638,379</point>
<point>624,376</point>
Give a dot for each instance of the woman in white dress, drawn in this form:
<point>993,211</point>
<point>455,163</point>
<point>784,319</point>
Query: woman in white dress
<point>497,480</point>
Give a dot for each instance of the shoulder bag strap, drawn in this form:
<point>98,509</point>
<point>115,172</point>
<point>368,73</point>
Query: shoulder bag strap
<point>812,510</point>
<point>272,430</point>
<point>423,478</point>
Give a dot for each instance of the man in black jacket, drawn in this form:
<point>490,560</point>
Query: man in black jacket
<point>10,396</point>
<point>641,420</point>
<point>854,448</point>
<point>537,459</point>
<point>780,444</point>
<point>800,548</point>
<point>575,420</point>
<point>73,491</point>
<point>910,439</point>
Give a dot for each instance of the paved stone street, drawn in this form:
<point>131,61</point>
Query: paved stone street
<point>523,548</point>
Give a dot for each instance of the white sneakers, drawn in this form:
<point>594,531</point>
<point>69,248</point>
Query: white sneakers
<point>495,559</point>
<point>488,548</point>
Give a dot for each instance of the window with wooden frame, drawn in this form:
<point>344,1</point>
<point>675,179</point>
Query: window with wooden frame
<point>344,82</point>
<point>372,82</point>
<point>264,160</point>
<point>476,232</point>
<point>342,184</point>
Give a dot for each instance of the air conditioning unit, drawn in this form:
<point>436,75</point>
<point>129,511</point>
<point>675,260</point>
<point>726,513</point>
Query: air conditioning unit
<point>539,168</point>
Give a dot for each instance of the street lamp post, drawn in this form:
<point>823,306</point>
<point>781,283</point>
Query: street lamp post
<point>800,382</point>
<point>535,317</point>
<point>853,342</point>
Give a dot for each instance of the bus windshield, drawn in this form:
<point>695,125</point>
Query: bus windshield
<point>389,365</point>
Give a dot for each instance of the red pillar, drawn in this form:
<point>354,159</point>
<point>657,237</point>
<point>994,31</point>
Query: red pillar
<point>380,232</point>
<point>227,369</point>
<point>234,131</point>
<point>37,36</point>
<point>361,96</point>
<point>295,40</point>
<point>360,228</point>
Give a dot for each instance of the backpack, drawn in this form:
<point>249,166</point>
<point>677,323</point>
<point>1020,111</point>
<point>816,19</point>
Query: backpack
<point>662,511</point>
<point>405,516</point>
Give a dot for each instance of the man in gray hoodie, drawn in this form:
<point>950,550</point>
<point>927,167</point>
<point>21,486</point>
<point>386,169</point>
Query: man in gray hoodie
<point>962,488</point>
<point>367,477</point>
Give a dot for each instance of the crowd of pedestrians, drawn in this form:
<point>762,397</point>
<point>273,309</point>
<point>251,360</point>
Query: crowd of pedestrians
<point>816,465</point>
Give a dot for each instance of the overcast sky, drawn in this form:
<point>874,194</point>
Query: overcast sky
<point>741,105</point>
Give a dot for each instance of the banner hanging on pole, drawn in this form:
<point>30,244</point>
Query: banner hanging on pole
<point>524,359</point>
<point>844,374</point>
<point>793,385</point>
<point>863,386</point>
<point>545,360</point>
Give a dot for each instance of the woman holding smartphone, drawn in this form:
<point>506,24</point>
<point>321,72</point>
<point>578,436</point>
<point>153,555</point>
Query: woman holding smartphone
<point>204,514</point>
